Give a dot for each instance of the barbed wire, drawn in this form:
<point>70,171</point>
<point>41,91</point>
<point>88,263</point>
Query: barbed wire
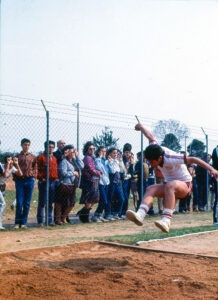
<point>90,113</point>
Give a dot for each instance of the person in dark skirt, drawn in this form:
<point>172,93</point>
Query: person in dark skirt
<point>89,182</point>
<point>68,171</point>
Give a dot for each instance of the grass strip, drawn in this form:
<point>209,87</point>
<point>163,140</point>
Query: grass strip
<point>153,235</point>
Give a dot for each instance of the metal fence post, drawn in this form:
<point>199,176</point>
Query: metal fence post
<point>77,126</point>
<point>47,164</point>
<point>207,174</point>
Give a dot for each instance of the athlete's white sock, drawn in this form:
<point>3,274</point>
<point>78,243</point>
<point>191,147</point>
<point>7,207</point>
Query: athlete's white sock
<point>167,215</point>
<point>143,209</point>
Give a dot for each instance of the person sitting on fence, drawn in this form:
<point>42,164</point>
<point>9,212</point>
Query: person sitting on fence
<point>9,167</point>
<point>89,182</point>
<point>178,181</point>
<point>42,184</point>
<point>68,172</point>
<point>24,184</point>
<point>116,169</point>
<point>100,163</point>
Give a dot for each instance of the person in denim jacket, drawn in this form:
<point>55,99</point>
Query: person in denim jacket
<point>68,173</point>
<point>100,163</point>
<point>116,168</point>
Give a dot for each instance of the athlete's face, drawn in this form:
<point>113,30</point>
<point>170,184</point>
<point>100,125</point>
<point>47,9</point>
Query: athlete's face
<point>155,163</point>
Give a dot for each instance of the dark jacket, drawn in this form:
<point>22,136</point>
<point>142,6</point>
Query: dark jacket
<point>215,158</point>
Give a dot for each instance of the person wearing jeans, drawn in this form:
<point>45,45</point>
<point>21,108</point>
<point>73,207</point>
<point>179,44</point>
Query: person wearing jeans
<point>53,177</point>
<point>24,184</point>
<point>100,164</point>
<point>116,167</point>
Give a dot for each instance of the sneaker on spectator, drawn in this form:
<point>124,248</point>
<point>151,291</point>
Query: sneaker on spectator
<point>123,217</point>
<point>23,227</point>
<point>109,218</point>
<point>2,228</point>
<point>41,225</point>
<point>163,225</point>
<point>103,219</point>
<point>117,218</point>
<point>95,219</point>
<point>134,217</point>
<point>215,224</point>
<point>16,226</point>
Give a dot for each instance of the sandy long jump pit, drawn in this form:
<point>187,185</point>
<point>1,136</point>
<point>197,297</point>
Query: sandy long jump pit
<point>91,270</point>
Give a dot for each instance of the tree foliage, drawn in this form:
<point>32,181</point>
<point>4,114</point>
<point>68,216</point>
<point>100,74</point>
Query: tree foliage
<point>105,139</point>
<point>164,127</point>
<point>170,141</point>
<point>196,148</point>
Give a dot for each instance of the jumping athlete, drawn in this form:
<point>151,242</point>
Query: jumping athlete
<point>177,180</point>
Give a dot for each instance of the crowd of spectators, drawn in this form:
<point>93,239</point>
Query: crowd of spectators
<point>105,176</point>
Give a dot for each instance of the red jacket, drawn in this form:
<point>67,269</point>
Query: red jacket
<point>53,167</point>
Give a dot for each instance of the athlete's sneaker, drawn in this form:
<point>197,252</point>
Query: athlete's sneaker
<point>163,225</point>
<point>134,217</point>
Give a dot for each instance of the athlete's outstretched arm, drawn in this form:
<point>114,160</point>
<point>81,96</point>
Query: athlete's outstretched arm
<point>203,164</point>
<point>146,132</point>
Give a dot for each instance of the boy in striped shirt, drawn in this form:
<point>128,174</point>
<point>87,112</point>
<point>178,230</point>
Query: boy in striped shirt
<point>177,180</point>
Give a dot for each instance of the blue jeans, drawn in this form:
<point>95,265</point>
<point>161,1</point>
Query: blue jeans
<point>116,189</point>
<point>126,192</point>
<point>103,201</point>
<point>42,200</point>
<point>24,191</point>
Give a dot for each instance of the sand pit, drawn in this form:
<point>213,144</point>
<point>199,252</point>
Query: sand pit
<point>94,271</point>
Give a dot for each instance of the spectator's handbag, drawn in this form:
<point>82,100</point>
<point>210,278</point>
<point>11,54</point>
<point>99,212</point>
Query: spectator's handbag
<point>66,188</point>
<point>2,187</point>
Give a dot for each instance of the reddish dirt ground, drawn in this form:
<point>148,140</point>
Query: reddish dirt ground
<point>94,271</point>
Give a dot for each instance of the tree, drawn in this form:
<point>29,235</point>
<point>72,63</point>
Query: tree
<point>163,127</point>
<point>196,148</point>
<point>105,139</point>
<point>170,141</point>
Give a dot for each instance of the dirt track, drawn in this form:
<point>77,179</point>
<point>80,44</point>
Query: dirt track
<point>93,271</point>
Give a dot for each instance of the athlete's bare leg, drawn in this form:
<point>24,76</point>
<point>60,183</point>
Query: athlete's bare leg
<point>170,192</point>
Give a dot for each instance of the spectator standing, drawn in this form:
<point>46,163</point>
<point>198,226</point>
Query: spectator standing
<point>100,163</point>
<point>89,182</point>
<point>9,167</point>
<point>24,184</point>
<point>145,177</point>
<point>68,171</point>
<point>215,206</point>
<point>128,163</point>
<point>201,179</point>
<point>53,177</point>
<point>116,169</point>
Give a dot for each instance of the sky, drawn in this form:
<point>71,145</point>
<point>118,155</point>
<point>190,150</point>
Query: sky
<point>154,58</point>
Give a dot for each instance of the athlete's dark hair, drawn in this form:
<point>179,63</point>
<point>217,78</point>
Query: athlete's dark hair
<point>153,152</point>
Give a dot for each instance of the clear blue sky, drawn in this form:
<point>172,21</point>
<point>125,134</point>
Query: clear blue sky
<point>157,58</point>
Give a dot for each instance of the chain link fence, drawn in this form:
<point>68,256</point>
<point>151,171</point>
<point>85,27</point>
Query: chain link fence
<point>17,122</point>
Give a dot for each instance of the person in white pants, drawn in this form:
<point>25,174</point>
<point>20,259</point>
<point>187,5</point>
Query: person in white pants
<point>6,169</point>
<point>177,180</point>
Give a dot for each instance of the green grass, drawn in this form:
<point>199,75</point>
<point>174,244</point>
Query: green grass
<point>153,235</point>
